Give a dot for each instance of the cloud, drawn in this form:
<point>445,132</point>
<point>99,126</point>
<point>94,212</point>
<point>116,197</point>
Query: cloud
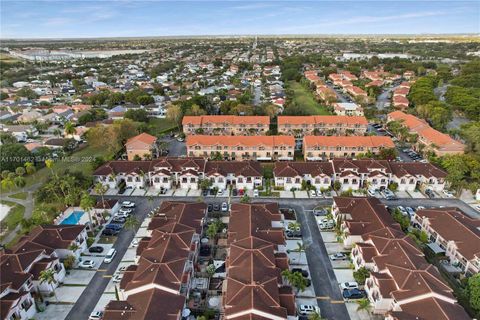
<point>57,21</point>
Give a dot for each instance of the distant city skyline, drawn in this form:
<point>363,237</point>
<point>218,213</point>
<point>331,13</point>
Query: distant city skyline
<point>124,18</point>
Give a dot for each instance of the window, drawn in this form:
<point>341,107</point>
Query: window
<point>192,180</point>
<point>156,179</point>
<point>184,180</point>
<point>297,180</point>
<point>326,181</point>
<point>240,180</point>
<point>412,181</point>
<point>137,179</point>
<point>402,181</point>
<point>345,180</point>
<point>129,179</point>
<point>165,179</point>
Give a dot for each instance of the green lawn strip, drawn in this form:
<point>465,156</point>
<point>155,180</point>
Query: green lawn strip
<point>305,98</point>
<point>14,216</point>
<point>20,195</point>
<point>158,126</point>
<point>78,161</point>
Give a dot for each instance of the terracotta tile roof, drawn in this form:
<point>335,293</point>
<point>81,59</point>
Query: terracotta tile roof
<point>269,141</point>
<point>143,137</point>
<point>430,308</point>
<point>363,166</point>
<point>401,169</point>
<point>294,169</point>
<point>333,120</point>
<point>139,167</point>
<point>454,225</point>
<point>49,237</point>
<point>348,141</point>
<point>238,168</point>
<point>234,120</point>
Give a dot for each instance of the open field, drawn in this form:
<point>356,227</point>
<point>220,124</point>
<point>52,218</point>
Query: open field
<point>304,98</point>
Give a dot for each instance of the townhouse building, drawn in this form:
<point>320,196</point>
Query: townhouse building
<point>226,125</point>
<point>428,139</point>
<point>347,109</point>
<point>454,232</point>
<point>22,265</point>
<point>254,287</point>
<point>183,173</point>
<point>324,147</point>
<point>265,148</point>
<point>400,280</point>
<point>410,176</point>
<point>164,265</point>
<point>364,173</point>
<point>291,175</point>
<point>300,126</point>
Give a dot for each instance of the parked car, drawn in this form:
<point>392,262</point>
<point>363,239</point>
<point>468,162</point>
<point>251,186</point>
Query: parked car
<point>320,212</point>
<point>163,190</point>
<point>210,207</point>
<point>349,285</point>
<point>354,294</point>
<point>110,232</point>
<point>429,193</point>
<point>448,194</point>
<point>338,256</point>
<point>216,207</point>
<point>234,192</point>
<point>96,315</point>
<point>117,278</point>
<point>326,224</point>
<point>119,219</point>
<point>306,309</point>
<point>110,255</point>
<point>303,272</point>
<point>87,264</point>
<point>205,192</point>
<point>241,192</point>
<point>128,204</point>
<point>114,226</point>
<point>95,249</point>
<point>219,193</point>
<point>371,192</point>
<point>224,207</point>
<point>402,210</point>
<point>255,193</point>
<point>313,193</point>
<point>125,211</point>
<point>134,243</point>
<point>293,233</point>
<point>410,211</point>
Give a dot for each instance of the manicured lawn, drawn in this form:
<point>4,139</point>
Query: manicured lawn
<point>157,126</point>
<point>20,195</point>
<point>305,98</point>
<point>78,161</point>
<point>15,215</point>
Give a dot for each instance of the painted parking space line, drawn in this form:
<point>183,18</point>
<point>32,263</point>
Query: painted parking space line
<point>102,270</point>
<point>337,301</point>
<point>107,276</point>
<point>323,298</point>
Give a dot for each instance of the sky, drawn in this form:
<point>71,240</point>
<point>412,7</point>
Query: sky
<point>135,18</point>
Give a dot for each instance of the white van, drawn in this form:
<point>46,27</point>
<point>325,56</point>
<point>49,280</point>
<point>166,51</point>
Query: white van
<point>110,255</point>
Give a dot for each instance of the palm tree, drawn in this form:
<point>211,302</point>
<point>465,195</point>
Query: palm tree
<point>49,164</point>
<point>87,203</point>
<point>150,201</point>
<point>100,189</point>
<point>364,304</point>
<point>131,223</point>
<point>48,276</point>
<point>300,248</point>
<point>70,128</point>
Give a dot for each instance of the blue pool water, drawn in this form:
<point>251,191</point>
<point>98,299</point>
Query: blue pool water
<point>73,218</point>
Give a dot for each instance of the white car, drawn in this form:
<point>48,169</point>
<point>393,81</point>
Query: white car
<point>224,207</point>
<point>371,192</point>
<point>477,208</point>
<point>338,256</point>
<point>134,243</point>
<point>87,264</point>
<point>219,193</point>
<point>448,194</point>
<point>306,309</point>
<point>128,204</point>
<point>255,193</point>
<point>125,210</point>
<point>96,315</point>
<point>349,285</point>
<point>402,210</point>
<point>117,278</point>
<point>122,214</point>
<point>110,255</point>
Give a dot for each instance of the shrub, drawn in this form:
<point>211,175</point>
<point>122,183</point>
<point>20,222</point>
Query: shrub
<point>361,275</point>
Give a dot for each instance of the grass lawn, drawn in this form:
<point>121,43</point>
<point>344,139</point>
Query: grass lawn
<point>305,98</point>
<point>20,195</point>
<point>157,126</point>
<point>78,161</point>
<point>14,216</point>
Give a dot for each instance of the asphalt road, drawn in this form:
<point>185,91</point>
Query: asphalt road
<point>91,295</point>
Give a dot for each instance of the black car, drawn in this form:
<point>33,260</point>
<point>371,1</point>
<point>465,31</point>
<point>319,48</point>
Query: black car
<point>430,193</point>
<point>95,249</point>
<point>294,234</point>
<point>118,220</point>
<point>205,192</point>
<point>234,192</point>
<point>110,232</point>
<point>354,294</point>
<point>303,272</point>
<point>216,207</point>
<point>211,192</point>
<point>210,207</point>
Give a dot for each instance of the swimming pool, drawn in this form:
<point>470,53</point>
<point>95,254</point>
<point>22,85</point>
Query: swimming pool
<point>73,218</point>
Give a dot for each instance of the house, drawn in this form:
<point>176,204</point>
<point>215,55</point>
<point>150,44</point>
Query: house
<point>243,175</point>
<point>242,147</point>
<point>323,147</point>
<point>257,256</point>
<point>428,139</point>
<point>400,102</point>
<point>164,265</point>
<point>322,125</point>
<point>142,146</point>
<point>20,132</point>
<point>347,109</point>
<point>293,175</point>
<point>410,176</point>
<point>226,125</point>
<point>454,232</point>
<point>65,240</point>
<point>400,277</point>
<point>364,173</point>
<point>356,92</point>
